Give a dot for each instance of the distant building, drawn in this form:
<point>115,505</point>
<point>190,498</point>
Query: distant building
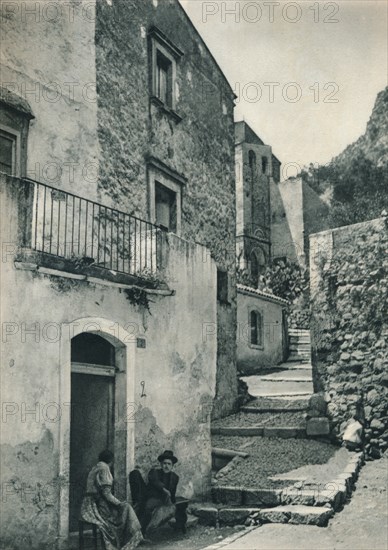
<point>256,170</point>
<point>297,212</point>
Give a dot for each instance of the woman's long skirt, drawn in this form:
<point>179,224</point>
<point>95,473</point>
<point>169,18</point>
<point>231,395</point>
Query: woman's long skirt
<point>119,525</point>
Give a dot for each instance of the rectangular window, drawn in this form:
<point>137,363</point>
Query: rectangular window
<point>256,329</point>
<point>264,164</point>
<point>164,81</point>
<point>222,286</point>
<point>7,153</point>
<point>164,56</point>
<point>165,207</point>
<point>165,195</point>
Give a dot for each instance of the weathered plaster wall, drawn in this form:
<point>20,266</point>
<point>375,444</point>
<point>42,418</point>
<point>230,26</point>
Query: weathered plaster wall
<point>98,146</point>
<point>251,360</point>
<point>178,367</point>
<point>48,58</point>
<point>200,147</point>
<point>350,327</point>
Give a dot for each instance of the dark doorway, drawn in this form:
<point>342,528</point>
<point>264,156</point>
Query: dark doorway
<point>92,413</point>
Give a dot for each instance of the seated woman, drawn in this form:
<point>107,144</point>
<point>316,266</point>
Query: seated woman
<point>155,502</point>
<point>116,520</point>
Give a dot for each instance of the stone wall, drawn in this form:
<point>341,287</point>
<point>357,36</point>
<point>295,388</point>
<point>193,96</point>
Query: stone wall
<point>349,271</point>
<point>200,147</point>
<point>40,313</point>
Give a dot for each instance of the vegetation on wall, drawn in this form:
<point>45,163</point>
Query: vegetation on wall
<point>356,181</point>
<point>285,279</point>
<point>359,189</point>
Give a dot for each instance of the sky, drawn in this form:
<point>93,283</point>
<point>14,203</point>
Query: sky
<point>307,73</point>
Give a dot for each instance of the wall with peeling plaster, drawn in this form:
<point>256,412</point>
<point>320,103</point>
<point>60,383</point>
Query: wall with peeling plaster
<point>178,367</point>
<point>97,145</point>
<point>53,68</point>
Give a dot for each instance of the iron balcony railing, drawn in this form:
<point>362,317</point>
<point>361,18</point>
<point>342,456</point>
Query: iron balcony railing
<point>68,226</point>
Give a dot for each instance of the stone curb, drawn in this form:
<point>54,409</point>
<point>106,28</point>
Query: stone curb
<point>230,539</point>
<point>283,432</point>
<point>332,496</point>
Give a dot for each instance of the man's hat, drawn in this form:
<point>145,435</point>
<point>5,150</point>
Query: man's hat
<point>168,455</point>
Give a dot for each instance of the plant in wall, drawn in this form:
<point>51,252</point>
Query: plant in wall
<point>138,295</point>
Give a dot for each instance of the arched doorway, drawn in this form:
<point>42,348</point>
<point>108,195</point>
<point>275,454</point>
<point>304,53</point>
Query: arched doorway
<point>124,344</point>
<point>92,420</point>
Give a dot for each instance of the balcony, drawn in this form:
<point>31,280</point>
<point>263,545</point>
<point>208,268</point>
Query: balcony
<point>67,232</point>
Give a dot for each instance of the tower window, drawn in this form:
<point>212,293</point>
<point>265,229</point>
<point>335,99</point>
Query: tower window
<point>264,164</point>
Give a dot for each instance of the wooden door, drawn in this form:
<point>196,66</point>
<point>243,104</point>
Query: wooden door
<point>91,431</point>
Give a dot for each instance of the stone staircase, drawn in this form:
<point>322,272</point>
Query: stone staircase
<point>300,345</point>
<point>282,399</point>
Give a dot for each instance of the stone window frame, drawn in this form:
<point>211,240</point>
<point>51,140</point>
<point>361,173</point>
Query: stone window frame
<point>15,117</point>
<point>160,44</point>
<point>260,332</point>
<point>158,172</point>
<point>15,135</point>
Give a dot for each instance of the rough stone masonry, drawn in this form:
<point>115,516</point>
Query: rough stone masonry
<point>350,327</point>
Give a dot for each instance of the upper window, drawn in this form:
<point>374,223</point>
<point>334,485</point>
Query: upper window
<point>264,164</point>
<point>165,207</point>
<point>164,57</point>
<point>7,153</point>
<point>165,195</point>
<point>164,80</point>
<point>15,115</point>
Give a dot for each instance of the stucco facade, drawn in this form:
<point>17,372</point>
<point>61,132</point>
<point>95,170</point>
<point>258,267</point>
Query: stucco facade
<point>165,389</point>
<point>99,130</point>
<point>263,347</point>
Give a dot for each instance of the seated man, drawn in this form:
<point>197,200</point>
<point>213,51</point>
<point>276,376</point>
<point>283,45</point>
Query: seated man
<point>155,503</point>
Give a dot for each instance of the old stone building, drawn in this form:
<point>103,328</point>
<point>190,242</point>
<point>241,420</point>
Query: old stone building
<point>256,171</point>
<point>118,222</point>
<point>261,326</point>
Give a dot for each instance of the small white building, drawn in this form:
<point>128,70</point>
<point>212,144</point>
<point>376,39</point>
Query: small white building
<point>261,330</point>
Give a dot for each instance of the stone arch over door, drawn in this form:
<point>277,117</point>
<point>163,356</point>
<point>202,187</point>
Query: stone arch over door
<point>125,346</point>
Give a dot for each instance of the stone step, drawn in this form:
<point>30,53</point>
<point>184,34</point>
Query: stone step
<point>297,515</point>
<point>282,432</point>
<point>335,496</point>
<point>301,358</point>
<point>294,375</point>
<point>279,387</point>
<point>300,347</point>
<point>264,405</point>
<point>298,331</point>
<point>295,365</point>
<point>300,340</point>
